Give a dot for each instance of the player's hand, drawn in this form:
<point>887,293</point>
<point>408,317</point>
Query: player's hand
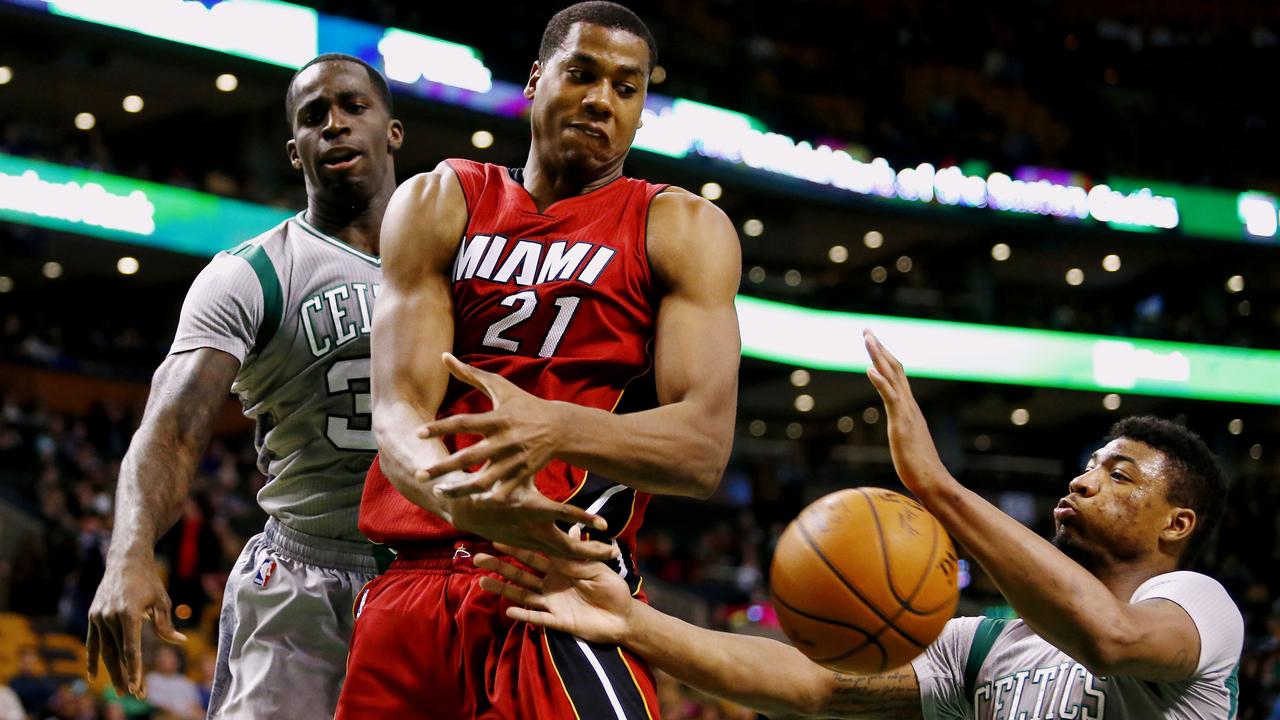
<point>130,593</point>
<point>516,513</point>
<point>586,599</point>
<point>915,457</point>
<point>519,434</point>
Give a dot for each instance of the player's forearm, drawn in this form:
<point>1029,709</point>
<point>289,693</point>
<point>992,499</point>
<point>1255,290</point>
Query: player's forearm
<point>1064,603</point>
<point>402,454</point>
<point>155,478</point>
<point>671,450</point>
<point>763,674</point>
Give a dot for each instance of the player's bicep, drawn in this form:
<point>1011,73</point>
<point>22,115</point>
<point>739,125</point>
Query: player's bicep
<point>1158,640</point>
<point>695,255</point>
<point>187,391</point>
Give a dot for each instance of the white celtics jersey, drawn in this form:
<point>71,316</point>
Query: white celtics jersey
<point>989,669</point>
<point>295,307</point>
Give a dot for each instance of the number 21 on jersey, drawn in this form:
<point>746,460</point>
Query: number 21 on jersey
<point>523,304</point>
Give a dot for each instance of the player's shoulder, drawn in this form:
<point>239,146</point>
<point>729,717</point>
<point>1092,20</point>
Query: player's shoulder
<point>677,206</point>
<point>1182,582</point>
<point>687,233</point>
<point>432,191</point>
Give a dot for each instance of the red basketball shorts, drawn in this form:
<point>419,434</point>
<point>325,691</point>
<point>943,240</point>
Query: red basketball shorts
<point>429,643</point>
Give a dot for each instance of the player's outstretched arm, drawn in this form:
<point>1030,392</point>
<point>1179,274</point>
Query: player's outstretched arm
<point>187,391</point>
<point>589,600</point>
<point>412,330</point>
<point>679,448</point>
<point>1064,603</point>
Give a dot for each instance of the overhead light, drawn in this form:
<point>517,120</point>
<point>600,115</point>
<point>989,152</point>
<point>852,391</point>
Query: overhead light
<point>756,274</point>
<point>753,228</point>
<point>982,443</point>
<point>6,74</point>
<point>879,274</point>
<point>794,430</point>
<point>85,121</point>
<point>712,191</point>
<point>1111,401</point>
<point>845,424</point>
<point>838,254</point>
<point>1235,283</point>
<point>132,103</point>
<point>1255,451</point>
<point>871,415</point>
<point>1236,426</point>
<point>757,428</point>
<point>6,283</point>
<point>226,82</point>
<point>1020,417</point>
<point>1000,252</point>
<point>804,403</point>
<point>1111,263</point>
<point>658,76</point>
<point>1075,276</point>
<point>1244,308</point>
<point>792,278</point>
<point>482,139</point>
<point>52,270</point>
<point>903,264</point>
<point>127,265</point>
<point>800,377</point>
<point>873,239</point>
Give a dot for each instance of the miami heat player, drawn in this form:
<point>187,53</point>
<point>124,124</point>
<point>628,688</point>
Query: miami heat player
<point>574,299</point>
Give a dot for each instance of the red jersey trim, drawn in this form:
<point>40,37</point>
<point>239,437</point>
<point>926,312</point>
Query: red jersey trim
<point>471,177</point>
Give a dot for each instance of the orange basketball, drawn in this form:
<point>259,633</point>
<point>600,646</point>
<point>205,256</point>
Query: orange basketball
<point>863,580</point>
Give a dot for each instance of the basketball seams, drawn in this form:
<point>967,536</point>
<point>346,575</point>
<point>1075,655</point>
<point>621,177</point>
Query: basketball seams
<point>905,604</point>
<point>872,640</point>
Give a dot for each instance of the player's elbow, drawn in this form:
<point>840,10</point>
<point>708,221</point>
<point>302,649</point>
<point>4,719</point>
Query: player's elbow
<point>706,476</point>
<point>1108,651</point>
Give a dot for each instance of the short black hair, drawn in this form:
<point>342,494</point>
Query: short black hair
<point>596,12</point>
<point>375,78</point>
<point>1197,481</point>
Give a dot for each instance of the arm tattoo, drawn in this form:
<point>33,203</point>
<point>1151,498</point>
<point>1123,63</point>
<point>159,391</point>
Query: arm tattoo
<point>887,696</point>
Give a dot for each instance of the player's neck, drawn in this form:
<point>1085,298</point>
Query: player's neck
<point>356,224</point>
<point>1123,578</point>
<point>548,183</point>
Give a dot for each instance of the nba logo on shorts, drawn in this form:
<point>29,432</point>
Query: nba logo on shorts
<point>263,576</point>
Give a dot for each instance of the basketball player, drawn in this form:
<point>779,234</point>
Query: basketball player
<point>1111,626</point>
<point>284,321</point>
<point>593,321</point>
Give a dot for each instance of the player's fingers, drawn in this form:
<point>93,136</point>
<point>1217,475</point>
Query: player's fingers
<point>537,617</point>
<point>513,574</point>
<point>539,504</point>
<point>111,656</point>
<point>565,546</point>
<point>469,423</point>
<point>473,376</point>
<point>481,452</point>
<point>519,595</point>
<point>91,648</point>
<point>892,367</point>
<point>161,616</point>
<point>537,561</point>
<point>131,651</point>
<point>470,485</point>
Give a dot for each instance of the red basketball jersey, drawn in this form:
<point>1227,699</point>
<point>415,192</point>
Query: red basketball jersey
<point>559,302</point>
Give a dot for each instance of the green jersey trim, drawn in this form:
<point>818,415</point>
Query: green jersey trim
<point>272,296</point>
<point>311,230</point>
<point>983,639</point>
<point>1233,690</point>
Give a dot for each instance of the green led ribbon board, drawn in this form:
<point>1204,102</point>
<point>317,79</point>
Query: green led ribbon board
<point>111,207</point>
<point>829,340</point>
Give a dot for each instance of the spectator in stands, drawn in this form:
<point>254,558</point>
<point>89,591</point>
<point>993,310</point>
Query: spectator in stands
<point>171,691</point>
<point>30,684</point>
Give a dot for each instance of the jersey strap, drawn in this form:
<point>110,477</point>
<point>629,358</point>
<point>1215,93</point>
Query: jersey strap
<point>272,296</point>
<point>983,639</point>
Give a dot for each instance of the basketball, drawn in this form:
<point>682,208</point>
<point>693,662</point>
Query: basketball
<point>863,580</point>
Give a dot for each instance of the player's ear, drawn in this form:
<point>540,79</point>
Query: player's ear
<point>535,73</point>
<point>395,135</point>
<point>295,160</point>
<point>1182,522</point>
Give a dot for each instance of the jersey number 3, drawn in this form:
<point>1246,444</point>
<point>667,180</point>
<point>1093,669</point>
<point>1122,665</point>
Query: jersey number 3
<point>525,302</point>
<point>354,431</point>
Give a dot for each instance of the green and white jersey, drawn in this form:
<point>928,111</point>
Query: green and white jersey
<point>295,306</point>
<point>989,669</point>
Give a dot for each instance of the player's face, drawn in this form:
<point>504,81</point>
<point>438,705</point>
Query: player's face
<point>588,97</point>
<point>1118,507</point>
<point>343,136</point>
